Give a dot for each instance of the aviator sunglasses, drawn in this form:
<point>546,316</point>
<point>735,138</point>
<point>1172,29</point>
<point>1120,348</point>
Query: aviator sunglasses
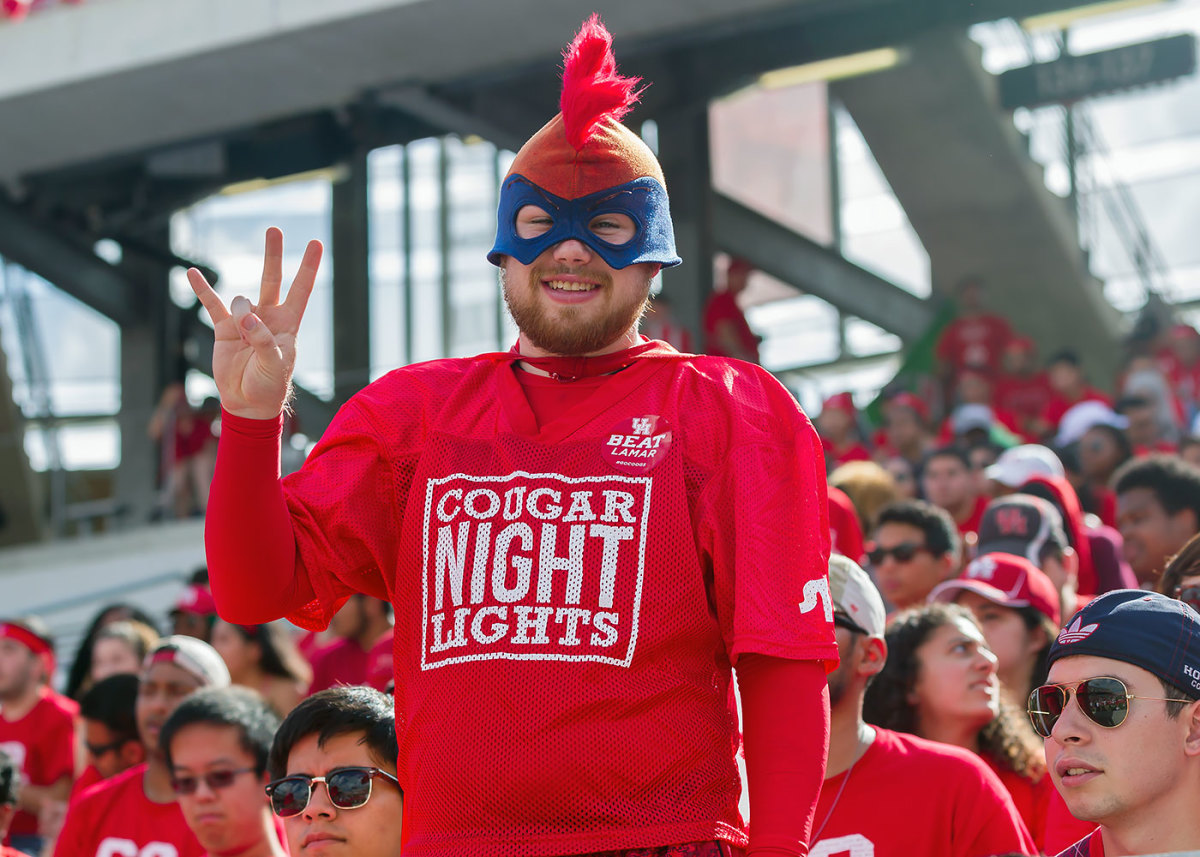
<point>1105,701</point>
<point>348,788</point>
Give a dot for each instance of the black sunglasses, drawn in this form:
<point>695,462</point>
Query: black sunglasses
<point>213,779</point>
<point>902,552</point>
<point>1105,701</point>
<point>348,788</point>
<point>98,750</point>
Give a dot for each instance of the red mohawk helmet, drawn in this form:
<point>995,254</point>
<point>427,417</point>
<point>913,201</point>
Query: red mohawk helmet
<point>584,163</point>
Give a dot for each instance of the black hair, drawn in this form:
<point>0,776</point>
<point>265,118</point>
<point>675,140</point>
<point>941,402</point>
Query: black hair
<point>1174,482</point>
<point>237,707</point>
<point>279,655</point>
<point>955,452</point>
<point>1065,356</point>
<point>1132,402</point>
<point>1170,691</point>
<point>341,710</point>
<point>941,533</point>
<point>1007,739</point>
<point>81,667</point>
<point>113,703</point>
<point>10,780</point>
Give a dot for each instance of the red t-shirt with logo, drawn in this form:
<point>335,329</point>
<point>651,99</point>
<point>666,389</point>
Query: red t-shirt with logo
<point>974,342</point>
<point>114,817</point>
<point>963,809</point>
<point>569,597</point>
<point>42,745</point>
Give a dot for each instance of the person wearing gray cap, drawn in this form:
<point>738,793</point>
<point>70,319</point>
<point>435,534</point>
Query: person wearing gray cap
<point>964,811</point>
<point>137,809</point>
<point>1120,716</point>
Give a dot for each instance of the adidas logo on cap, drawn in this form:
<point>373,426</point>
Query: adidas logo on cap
<point>1076,631</point>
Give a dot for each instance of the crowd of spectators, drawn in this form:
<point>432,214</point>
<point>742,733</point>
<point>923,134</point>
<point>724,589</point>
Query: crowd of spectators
<point>973,549</point>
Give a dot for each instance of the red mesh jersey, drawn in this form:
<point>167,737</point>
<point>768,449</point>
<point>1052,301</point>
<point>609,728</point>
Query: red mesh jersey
<point>566,617</point>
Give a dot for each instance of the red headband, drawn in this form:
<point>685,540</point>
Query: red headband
<point>25,637</point>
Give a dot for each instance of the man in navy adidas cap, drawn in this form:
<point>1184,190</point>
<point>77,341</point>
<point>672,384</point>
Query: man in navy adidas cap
<point>1121,720</point>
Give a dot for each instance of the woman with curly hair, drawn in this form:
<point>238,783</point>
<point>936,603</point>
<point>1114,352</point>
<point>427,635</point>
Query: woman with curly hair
<point>264,658</point>
<point>940,683</point>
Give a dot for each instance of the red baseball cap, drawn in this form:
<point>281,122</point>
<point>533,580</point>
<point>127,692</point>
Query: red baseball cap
<point>840,402</point>
<point>196,599</point>
<point>911,401</point>
<point>1007,580</point>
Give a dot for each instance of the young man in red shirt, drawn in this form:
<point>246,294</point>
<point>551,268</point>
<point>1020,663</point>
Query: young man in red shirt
<point>580,537</point>
<point>1120,715</point>
<point>333,771</point>
<point>216,744</point>
<point>37,727</point>
<point>964,809</point>
<point>136,812</point>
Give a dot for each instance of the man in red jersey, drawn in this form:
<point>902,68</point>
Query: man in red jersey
<point>136,813</point>
<point>964,810</point>
<point>37,727</point>
<point>580,537</point>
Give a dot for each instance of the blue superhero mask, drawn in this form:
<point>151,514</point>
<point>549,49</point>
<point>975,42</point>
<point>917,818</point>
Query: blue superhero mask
<point>643,200</point>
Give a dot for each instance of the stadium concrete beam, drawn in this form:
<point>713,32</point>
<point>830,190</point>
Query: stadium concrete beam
<point>977,201</point>
<point>791,258</point>
<point>351,246</point>
<point>75,269</point>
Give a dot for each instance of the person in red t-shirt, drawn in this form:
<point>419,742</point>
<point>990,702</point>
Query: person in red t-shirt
<point>1022,389</point>
<point>10,792</point>
<point>964,810</point>
<point>947,481</point>
<point>726,333</point>
<point>581,537</point>
<point>136,811</point>
<point>37,727</point>
<point>358,625</point>
<point>1070,387</point>
<point>940,683</point>
<point>976,339</point>
<point>1118,717</point>
<point>216,744</point>
<point>837,425</point>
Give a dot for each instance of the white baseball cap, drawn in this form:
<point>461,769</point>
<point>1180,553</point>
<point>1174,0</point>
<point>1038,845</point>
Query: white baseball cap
<point>1018,465</point>
<point>1082,416</point>
<point>855,595</point>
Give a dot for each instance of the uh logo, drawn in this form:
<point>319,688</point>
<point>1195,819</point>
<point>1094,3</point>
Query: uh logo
<point>533,566</point>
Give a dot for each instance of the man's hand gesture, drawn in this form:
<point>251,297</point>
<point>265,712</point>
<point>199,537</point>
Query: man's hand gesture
<point>254,352</point>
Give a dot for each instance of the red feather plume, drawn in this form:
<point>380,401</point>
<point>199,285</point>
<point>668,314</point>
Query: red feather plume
<point>592,90</point>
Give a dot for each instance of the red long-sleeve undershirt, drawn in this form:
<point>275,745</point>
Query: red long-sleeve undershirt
<point>248,528</point>
<point>785,703</point>
<point>785,709</point>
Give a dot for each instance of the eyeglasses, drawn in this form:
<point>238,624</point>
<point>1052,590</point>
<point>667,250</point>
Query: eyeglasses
<point>348,788</point>
<point>213,779</point>
<point>902,552</point>
<point>1105,701</point>
<point>1189,595</point>
<point>98,750</point>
